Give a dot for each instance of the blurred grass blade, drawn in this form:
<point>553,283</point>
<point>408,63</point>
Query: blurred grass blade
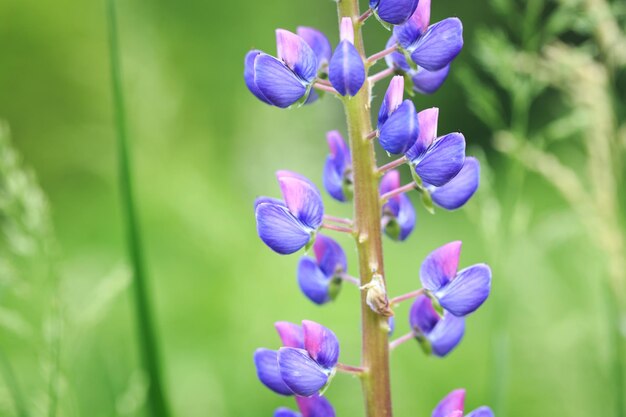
<point>145,326</point>
<point>12,384</point>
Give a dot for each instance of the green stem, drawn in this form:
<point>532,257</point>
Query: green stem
<point>143,311</point>
<point>13,385</point>
<point>367,217</point>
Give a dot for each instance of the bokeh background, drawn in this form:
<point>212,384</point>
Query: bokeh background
<point>204,148</point>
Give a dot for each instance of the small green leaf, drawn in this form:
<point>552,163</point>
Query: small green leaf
<point>427,200</point>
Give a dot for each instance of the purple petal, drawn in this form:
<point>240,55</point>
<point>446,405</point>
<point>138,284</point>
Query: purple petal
<point>396,59</point>
<point>269,200</point>
<point>279,229</point>
<point>333,180</point>
<point>299,372</point>
<point>330,256</point>
<point>277,83</point>
<point>346,71</point>
<point>315,406</point>
<point>393,99</point>
<point>483,411</point>
<point>456,414</point>
<point>427,133</point>
<point>321,343</point>
<point>427,82</point>
<point>392,326</point>
<point>318,42</point>
<point>390,181</point>
<point>346,30</point>
<point>423,318</point>
<point>447,334</point>
<point>467,291</point>
<point>442,161</point>
<point>248,75</point>
<point>285,412</point>
<point>337,163</point>
<point>405,217</point>
<point>440,266</point>
<point>394,12</point>
<point>291,334</point>
<point>408,33</point>
<point>460,189</point>
<point>313,283</point>
<point>302,198</point>
<point>400,130</point>
<point>451,403</point>
<point>266,362</point>
<point>439,45</point>
<point>421,17</point>
<point>296,54</point>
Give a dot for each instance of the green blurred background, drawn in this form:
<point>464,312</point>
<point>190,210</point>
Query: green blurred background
<point>203,149</point>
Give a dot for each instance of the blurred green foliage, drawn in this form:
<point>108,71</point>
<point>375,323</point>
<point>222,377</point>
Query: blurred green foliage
<point>203,149</point>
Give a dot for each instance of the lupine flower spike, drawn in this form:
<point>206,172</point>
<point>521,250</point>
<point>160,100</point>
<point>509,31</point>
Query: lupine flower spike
<point>460,292</point>
<point>431,47</point>
<point>398,217</point>
<point>287,226</point>
<point>313,406</point>
<point>436,334</point>
<point>436,160</point>
<point>394,12</point>
<point>397,120</point>
<point>338,168</point>
<point>304,364</point>
<point>453,405</point>
<point>347,70</point>
<point>320,278</point>
<point>286,79</point>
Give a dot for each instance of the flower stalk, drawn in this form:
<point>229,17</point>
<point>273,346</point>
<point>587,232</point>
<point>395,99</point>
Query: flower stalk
<point>367,220</point>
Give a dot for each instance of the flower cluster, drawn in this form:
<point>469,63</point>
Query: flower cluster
<point>306,68</point>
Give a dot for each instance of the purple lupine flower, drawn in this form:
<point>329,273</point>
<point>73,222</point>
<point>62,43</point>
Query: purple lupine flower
<point>304,364</point>
<point>338,168</point>
<point>346,71</point>
<point>320,278</point>
<point>453,405</point>
<point>431,47</point>
<point>424,81</point>
<point>286,79</point>
<point>391,321</point>
<point>287,226</point>
<point>394,12</point>
<point>306,371</point>
<point>435,334</point>
<point>319,43</point>
<point>460,292</point>
<point>398,214</point>
<point>459,189</point>
<point>427,82</point>
<point>397,120</point>
<point>313,406</point>
<point>436,159</point>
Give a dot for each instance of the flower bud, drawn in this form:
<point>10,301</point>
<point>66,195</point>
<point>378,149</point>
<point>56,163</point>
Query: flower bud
<point>346,70</point>
<point>394,12</point>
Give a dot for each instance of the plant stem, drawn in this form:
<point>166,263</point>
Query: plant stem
<point>407,296</point>
<point>324,87</point>
<point>367,217</point>
<point>400,190</point>
<point>393,164</point>
<point>381,75</point>
<point>348,369</point>
<point>379,55</point>
<point>336,219</point>
<point>337,228</point>
<point>143,311</point>
<point>404,338</point>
